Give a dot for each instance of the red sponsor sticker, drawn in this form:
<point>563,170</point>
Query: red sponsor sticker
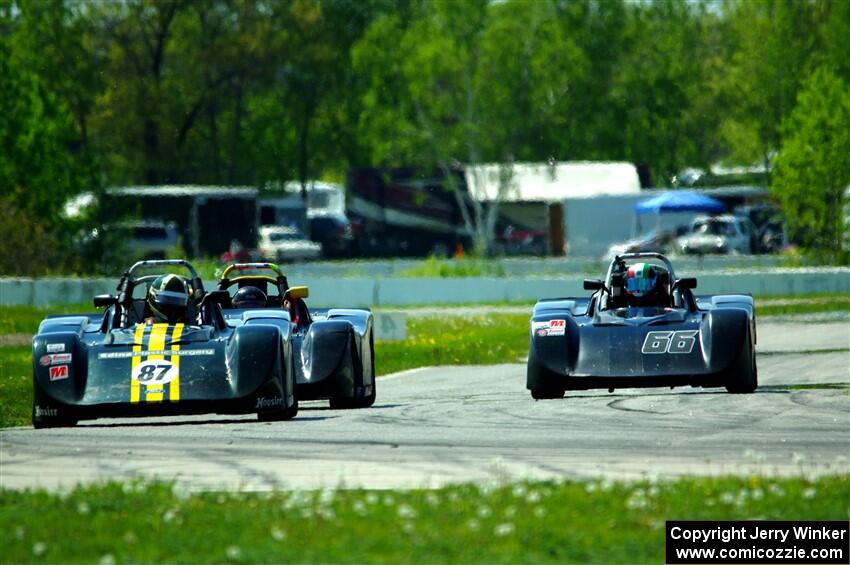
<point>557,323</point>
<point>58,372</point>
<point>45,360</point>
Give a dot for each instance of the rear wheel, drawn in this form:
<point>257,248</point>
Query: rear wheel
<point>366,401</point>
<point>742,376</point>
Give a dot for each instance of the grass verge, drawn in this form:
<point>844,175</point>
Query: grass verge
<point>455,340</point>
<point>524,522</point>
<point>15,386</point>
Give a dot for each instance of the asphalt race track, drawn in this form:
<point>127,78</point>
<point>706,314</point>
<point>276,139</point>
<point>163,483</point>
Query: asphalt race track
<point>446,424</point>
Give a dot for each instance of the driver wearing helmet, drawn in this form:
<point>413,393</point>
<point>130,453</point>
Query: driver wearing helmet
<point>168,300</point>
<point>646,285</point>
<point>249,297</point>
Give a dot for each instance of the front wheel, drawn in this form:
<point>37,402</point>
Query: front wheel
<point>39,422</point>
<point>541,382</point>
<point>742,377</point>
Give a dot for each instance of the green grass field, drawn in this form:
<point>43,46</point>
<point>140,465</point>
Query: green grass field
<point>525,522</point>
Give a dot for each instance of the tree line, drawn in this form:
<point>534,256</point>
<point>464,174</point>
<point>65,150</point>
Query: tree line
<point>246,92</point>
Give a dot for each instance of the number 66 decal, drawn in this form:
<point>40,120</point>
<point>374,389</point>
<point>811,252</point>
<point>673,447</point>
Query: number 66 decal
<point>669,342</point>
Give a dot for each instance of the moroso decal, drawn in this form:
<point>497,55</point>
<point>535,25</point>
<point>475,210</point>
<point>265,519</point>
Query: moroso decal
<point>58,372</point>
<point>55,359</point>
<point>55,347</point>
<point>155,369</point>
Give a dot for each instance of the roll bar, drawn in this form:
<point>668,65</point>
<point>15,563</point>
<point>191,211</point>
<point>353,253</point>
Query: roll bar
<point>248,266</point>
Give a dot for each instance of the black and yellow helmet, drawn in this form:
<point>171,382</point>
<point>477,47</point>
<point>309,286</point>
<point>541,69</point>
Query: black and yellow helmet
<point>168,297</point>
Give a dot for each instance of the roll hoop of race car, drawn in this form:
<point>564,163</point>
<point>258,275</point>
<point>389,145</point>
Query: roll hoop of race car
<point>333,348</point>
<point>642,327</point>
<point>118,363</point>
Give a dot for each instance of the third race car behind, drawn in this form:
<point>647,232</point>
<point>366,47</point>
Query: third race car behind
<point>642,327</point>
<point>333,348</point>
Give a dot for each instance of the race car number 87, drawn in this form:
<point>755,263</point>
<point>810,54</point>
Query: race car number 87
<point>669,342</point>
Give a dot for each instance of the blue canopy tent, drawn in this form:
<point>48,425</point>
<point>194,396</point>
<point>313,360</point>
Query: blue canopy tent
<point>677,201</point>
<point>680,201</point>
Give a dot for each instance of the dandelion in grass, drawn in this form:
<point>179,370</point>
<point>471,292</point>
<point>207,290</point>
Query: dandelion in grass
<point>277,534</point>
<point>372,498</point>
<point>359,508</point>
<point>484,511</point>
<point>473,524</point>
<point>727,498</point>
<point>406,511</point>
<point>533,497</point>
<point>606,484</point>
<point>326,513</point>
<point>169,515</point>
<point>107,559</point>
<point>757,494</point>
<point>590,488</point>
<point>221,499</point>
<point>180,493</point>
<point>389,500</point>
<point>776,490</point>
<point>407,527</point>
<point>454,496</point>
<point>503,530</point>
<point>539,511</point>
<point>38,548</point>
<point>432,499</point>
<point>233,552</point>
<point>83,508</point>
<point>809,493</point>
<point>653,491</point>
<point>326,496</point>
<point>637,501</point>
<point>519,490</point>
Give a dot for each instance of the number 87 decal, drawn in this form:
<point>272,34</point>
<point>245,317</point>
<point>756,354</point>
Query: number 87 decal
<point>669,342</point>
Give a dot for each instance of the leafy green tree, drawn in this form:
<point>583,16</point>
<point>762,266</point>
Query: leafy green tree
<point>812,172</point>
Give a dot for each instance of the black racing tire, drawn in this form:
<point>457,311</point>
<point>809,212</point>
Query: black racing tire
<point>366,401</point>
<point>279,415</point>
<point>43,423</point>
<point>541,393</point>
<point>539,380</point>
<point>288,412</point>
<point>742,376</point>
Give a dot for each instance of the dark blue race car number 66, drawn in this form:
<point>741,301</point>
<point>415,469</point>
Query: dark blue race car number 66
<point>669,342</point>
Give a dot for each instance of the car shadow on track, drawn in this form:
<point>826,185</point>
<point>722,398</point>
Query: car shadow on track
<point>195,422</point>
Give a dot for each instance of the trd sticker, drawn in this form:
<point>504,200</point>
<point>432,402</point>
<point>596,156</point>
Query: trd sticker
<point>155,372</point>
<point>55,359</point>
<point>669,342</point>
<point>55,347</point>
<point>58,372</point>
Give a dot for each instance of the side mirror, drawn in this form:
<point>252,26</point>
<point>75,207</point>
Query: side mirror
<point>297,292</point>
<point>688,282</point>
<point>593,284</point>
<point>104,300</point>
